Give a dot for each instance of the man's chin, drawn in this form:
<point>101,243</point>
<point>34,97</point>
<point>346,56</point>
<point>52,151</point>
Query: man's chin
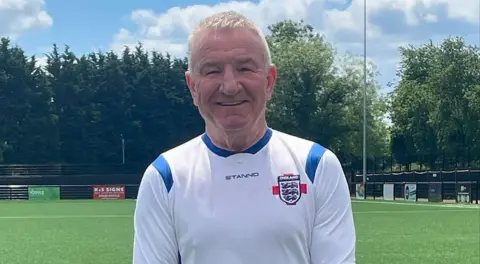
<point>233,128</point>
<point>234,125</point>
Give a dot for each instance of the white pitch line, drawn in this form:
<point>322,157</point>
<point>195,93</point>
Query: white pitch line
<point>465,206</point>
<point>411,211</point>
<point>125,216</point>
<point>62,216</point>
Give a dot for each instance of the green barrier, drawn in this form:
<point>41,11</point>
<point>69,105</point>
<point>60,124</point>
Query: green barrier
<point>43,193</point>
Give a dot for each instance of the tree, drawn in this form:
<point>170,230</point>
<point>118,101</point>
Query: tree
<point>26,119</point>
<point>76,109</point>
<point>433,109</point>
<point>317,94</point>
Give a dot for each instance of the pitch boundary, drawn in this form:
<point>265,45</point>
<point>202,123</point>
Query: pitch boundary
<point>412,211</point>
<point>129,216</point>
<point>464,206</point>
<point>63,216</point>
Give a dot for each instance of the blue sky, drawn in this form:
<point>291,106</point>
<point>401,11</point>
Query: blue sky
<point>163,25</point>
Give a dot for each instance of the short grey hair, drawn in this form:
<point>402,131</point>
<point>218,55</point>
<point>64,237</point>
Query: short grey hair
<point>226,20</point>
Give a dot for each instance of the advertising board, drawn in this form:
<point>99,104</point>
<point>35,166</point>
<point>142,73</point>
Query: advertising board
<point>388,192</point>
<point>463,192</point>
<point>108,192</point>
<point>43,193</point>
<point>360,191</point>
<point>410,192</point>
<point>435,192</point>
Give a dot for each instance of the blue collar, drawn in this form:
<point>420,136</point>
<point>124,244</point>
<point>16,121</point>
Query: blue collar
<point>226,153</point>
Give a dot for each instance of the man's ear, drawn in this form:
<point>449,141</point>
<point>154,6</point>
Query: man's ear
<point>271,80</point>
<point>191,86</point>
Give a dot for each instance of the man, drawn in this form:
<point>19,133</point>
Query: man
<point>242,192</point>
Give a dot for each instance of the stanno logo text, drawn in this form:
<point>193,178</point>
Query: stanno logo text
<point>242,176</point>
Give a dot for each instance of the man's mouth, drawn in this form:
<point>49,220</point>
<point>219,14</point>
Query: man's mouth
<point>232,103</point>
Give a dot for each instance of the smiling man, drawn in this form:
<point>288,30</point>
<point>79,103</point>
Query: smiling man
<point>241,192</point>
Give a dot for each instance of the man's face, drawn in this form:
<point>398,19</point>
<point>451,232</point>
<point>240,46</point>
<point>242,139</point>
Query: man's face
<point>229,82</point>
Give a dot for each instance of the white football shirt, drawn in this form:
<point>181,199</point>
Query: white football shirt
<point>285,200</point>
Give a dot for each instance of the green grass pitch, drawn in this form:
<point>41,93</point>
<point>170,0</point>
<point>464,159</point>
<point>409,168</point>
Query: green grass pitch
<point>74,232</point>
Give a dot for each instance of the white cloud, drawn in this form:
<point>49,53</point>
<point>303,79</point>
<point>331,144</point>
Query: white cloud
<point>171,28</point>
<point>18,16</point>
<point>467,10</point>
<point>41,61</point>
<point>343,2</point>
<point>430,18</point>
<point>390,23</point>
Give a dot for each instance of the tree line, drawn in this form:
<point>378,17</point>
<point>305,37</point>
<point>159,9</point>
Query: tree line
<point>79,108</point>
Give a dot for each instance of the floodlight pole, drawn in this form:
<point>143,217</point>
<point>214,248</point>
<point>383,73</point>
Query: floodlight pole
<point>365,94</point>
<point>123,150</point>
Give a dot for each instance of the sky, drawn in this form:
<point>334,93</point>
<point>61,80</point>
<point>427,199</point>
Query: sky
<point>163,25</point>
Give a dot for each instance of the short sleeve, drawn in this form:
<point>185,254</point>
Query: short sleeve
<point>333,238</point>
<point>154,232</point>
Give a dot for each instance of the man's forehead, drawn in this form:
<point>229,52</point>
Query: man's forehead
<point>231,45</point>
<point>217,60</point>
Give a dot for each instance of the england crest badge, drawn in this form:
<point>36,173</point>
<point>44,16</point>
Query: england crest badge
<point>290,188</point>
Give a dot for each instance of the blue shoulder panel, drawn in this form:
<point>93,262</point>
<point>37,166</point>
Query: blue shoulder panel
<point>163,168</point>
<point>313,159</point>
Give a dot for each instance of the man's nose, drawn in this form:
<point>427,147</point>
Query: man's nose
<point>230,85</point>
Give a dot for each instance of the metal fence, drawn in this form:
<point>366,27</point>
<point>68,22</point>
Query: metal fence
<point>77,174</point>
<point>78,181</point>
<point>460,186</point>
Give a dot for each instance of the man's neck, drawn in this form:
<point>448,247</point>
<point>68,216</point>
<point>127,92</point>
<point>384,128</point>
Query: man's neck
<point>236,141</point>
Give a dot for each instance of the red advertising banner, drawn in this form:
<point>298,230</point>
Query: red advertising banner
<point>108,192</point>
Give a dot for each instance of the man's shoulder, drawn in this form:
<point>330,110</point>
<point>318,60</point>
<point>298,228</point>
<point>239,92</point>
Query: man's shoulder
<point>303,145</point>
<point>171,162</point>
<point>311,154</point>
<point>177,155</point>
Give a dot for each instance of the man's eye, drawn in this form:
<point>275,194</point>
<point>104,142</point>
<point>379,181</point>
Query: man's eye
<point>212,72</point>
<point>245,69</point>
